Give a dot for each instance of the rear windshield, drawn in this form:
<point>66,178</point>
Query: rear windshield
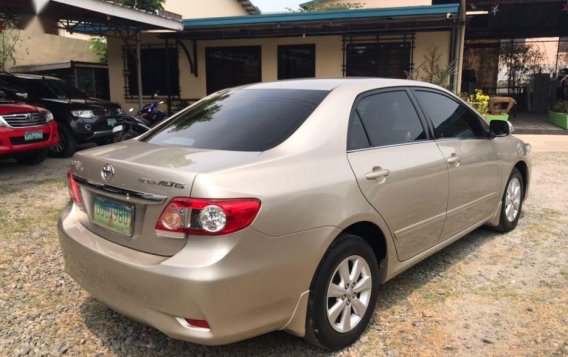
<point>241,120</point>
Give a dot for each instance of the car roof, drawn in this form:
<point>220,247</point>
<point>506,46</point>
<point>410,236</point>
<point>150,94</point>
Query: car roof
<point>334,83</point>
<point>28,76</point>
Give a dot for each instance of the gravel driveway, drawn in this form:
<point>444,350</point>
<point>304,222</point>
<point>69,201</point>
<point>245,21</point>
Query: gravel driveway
<point>487,294</point>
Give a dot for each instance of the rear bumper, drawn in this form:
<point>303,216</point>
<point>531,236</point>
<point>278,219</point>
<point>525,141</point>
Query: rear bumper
<point>243,285</point>
<point>12,139</point>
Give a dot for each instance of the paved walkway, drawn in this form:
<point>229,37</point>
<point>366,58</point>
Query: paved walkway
<point>546,143</point>
<point>535,123</point>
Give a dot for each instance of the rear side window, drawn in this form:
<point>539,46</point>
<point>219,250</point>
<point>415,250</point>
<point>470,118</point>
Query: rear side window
<point>241,120</point>
<point>388,119</point>
<point>450,118</point>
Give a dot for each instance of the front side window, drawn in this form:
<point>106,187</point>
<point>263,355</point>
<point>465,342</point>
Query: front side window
<point>240,120</point>
<point>388,119</point>
<point>450,118</point>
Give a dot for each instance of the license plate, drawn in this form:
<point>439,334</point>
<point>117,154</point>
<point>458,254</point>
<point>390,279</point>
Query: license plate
<point>111,121</point>
<point>113,215</point>
<point>33,135</point>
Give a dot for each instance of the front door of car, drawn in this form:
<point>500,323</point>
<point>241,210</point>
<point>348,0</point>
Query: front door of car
<point>399,170</point>
<point>473,164</point>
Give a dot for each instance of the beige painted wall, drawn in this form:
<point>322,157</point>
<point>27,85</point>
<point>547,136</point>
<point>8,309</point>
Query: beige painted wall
<point>427,40</point>
<point>191,9</point>
<point>37,47</point>
<point>329,59</point>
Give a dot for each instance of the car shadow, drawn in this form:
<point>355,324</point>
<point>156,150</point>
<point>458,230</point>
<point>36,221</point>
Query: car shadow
<point>433,267</point>
<point>125,337</point>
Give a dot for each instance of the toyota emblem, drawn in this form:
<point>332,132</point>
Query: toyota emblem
<point>107,172</point>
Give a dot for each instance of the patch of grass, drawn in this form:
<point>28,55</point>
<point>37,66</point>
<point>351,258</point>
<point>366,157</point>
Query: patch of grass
<point>46,219</point>
<point>497,292</point>
<point>59,182</point>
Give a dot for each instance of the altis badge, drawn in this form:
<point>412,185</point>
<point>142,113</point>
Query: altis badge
<point>162,183</point>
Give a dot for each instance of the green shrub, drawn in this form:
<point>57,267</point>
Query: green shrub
<point>560,106</point>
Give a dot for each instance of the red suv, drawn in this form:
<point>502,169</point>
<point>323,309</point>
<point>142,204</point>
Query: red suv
<point>26,132</point>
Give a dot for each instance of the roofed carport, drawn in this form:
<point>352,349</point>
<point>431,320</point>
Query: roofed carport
<point>347,23</point>
<point>95,18</point>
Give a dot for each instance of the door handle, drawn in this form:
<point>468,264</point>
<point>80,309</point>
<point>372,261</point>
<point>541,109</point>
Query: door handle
<point>377,173</point>
<point>454,160</point>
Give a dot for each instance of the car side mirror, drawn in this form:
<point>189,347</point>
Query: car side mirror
<point>500,128</point>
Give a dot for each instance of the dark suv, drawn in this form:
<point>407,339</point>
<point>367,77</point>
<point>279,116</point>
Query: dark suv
<point>80,119</point>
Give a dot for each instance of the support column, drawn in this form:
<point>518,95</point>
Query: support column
<point>461,44</point>
<point>139,68</point>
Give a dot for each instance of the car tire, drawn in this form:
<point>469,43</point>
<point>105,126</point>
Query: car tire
<point>512,202</point>
<point>67,143</point>
<point>32,158</point>
<point>325,326</point>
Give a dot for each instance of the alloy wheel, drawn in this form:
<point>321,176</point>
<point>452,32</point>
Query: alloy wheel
<point>349,294</point>
<point>513,199</point>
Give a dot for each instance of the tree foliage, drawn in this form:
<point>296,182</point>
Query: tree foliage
<point>9,38</point>
<point>522,61</point>
<point>147,5</point>
<point>322,6</point>
<point>98,45</point>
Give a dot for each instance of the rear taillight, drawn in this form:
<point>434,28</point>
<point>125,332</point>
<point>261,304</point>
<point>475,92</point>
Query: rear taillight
<point>183,216</point>
<point>74,190</point>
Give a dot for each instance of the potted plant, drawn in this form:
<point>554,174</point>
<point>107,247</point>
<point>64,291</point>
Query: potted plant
<point>558,114</point>
<point>480,101</point>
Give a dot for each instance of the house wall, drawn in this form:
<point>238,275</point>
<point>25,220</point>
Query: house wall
<point>329,59</point>
<point>429,40</point>
<point>37,47</point>
<point>191,9</point>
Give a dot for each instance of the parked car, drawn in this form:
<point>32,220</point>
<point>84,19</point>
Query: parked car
<point>80,119</point>
<point>285,205</point>
<point>26,132</point>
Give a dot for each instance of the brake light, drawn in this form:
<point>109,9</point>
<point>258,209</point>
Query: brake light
<point>183,216</point>
<point>74,190</point>
<point>198,323</point>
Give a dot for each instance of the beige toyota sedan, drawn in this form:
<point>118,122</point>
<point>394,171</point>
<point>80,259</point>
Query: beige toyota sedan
<point>285,206</point>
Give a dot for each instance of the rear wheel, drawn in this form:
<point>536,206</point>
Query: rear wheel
<point>67,144</point>
<point>343,293</point>
<point>512,202</point>
<point>32,157</point>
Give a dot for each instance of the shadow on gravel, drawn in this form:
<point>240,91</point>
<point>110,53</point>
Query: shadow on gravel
<point>433,267</point>
<point>125,337</point>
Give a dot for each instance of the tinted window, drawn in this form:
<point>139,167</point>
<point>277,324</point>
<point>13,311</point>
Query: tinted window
<point>297,61</point>
<point>390,118</point>
<point>390,60</point>
<point>232,66</point>
<point>156,64</point>
<point>45,87</point>
<point>241,120</point>
<point>450,118</point>
<point>358,138</point>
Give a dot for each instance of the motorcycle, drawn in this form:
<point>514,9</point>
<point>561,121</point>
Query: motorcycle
<point>130,126</point>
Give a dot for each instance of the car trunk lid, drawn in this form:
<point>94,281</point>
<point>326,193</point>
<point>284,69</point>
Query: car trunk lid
<point>126,186</point>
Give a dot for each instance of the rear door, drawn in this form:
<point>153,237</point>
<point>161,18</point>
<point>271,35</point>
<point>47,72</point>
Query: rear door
<point>473,163</point>
<point>401,172</point>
